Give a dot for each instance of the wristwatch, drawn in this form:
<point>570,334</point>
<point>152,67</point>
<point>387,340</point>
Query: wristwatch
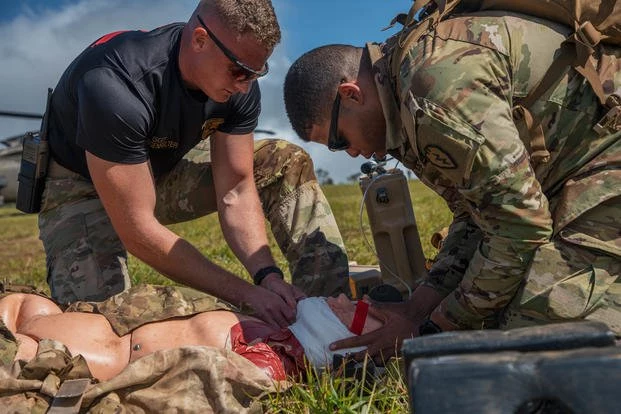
<point>264,272</point>
<point>428,327</point>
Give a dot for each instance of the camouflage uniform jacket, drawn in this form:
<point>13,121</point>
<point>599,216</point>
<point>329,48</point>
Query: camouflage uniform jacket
<point>451,123</point>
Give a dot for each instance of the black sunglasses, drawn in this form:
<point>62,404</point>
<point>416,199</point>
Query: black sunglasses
<point>242,72</point>
<point>335,141</point>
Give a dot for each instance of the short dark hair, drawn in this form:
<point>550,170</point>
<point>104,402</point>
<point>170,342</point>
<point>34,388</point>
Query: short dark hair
<point>311,83</point>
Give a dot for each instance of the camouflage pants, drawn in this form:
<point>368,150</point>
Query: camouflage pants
<point>575,276</point>
<point>87,261</point>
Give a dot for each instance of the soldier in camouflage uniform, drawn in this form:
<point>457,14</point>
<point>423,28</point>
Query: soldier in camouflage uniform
<point>124,120</point>
<point>534,239</point>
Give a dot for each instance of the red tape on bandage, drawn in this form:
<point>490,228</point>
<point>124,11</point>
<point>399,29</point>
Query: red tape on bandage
<point>360,317</point>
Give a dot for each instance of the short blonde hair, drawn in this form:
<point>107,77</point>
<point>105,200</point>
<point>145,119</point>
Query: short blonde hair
<point>256,17</point>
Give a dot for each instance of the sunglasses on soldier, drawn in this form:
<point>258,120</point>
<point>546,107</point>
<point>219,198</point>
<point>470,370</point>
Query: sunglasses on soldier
<point>335,141</point>
<point>242,71</point>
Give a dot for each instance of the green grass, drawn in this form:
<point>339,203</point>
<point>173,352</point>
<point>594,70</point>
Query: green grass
<point>22,260</point>
<point>322,392</point>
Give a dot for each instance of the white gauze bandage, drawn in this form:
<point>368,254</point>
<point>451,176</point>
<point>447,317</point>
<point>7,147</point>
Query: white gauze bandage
<point>316,327</point>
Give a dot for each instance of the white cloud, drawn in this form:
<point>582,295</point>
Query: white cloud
<point>37,46</point>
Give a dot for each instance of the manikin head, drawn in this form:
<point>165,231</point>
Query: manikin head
<point>321,321</point>
<point>345,309</point>
<point>225,46</point>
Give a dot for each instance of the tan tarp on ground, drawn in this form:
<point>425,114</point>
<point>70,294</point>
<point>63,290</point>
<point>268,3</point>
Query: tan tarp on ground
<point>192,379</point>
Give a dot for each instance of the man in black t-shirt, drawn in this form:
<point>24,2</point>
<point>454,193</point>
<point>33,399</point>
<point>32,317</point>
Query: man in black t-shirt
<point>125,117</point>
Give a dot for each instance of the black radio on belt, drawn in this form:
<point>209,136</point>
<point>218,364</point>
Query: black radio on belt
<point>33,169</point>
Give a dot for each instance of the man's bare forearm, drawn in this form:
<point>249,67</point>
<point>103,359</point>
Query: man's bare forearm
<point>243,226</point>
<point>131,207</point>
<point>177,259</point>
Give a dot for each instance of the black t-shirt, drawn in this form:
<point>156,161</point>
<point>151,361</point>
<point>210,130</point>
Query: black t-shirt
<point>123,100</point>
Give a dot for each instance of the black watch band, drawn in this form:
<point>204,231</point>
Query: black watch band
<point>428,327</point>
<point>262,273</point>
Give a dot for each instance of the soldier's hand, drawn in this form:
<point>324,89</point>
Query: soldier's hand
<point>288,292</point>
<point>275,301</point>
<point>384,342</point>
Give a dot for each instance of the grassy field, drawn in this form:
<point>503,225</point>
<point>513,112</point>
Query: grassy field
<point>22,261</point>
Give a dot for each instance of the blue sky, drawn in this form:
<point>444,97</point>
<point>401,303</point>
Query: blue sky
<point>39,38</point>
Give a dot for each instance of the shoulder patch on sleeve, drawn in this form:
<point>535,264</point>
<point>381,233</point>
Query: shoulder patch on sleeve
<point>447,143</point>
<point>438,157</point>
<point>210,126</point>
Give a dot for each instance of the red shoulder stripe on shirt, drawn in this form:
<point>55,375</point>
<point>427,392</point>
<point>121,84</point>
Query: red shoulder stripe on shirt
<point>103,39</point>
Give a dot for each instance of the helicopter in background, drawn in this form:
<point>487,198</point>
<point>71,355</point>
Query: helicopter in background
<point>10,158</point>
